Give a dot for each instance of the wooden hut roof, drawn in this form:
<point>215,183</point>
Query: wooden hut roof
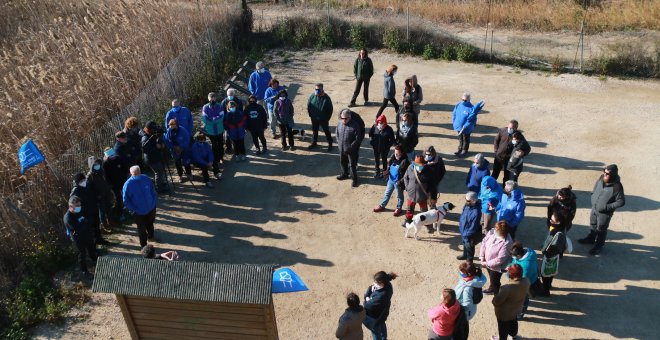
<point>202,281</point>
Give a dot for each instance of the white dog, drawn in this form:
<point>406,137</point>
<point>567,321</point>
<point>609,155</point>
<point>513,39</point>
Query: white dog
<point>434,216</point>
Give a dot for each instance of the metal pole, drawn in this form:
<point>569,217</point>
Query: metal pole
<point>581,45</point>
<point>407,21</point>
<point>492,33</point>
<point>327,6</point>
<point>487,25</point>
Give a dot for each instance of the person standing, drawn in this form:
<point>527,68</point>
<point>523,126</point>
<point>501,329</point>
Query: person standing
<point>515,164</point>
<point>363,69</point>
<point>319,109</point>
<point>606,197</point>
<point>377,302</point>
<point>526,258</point>
<point>406,136</point>
<point>478,170</point>
<point>349,132</point>
<point>437,165</point>
<point>382,139</point>
<point>181,114</point>
<point>503,148</point>
<point>495,254</point>
<point>202,157</point>
<point>553,250</point>
<point>469,225</point>
<point>508,303</point>
<point>153,146</point>
<point>512,207</point>
<point>396,170</point>
<point>420,186</point>
<point>443,316</point>
<point>464,119</point>
<point>258,83</point>
<point>231,97</point>
<point>97,183</point>
<point>140,199</point>
<point>471,278</point>
<point>490,196</point>
<point>122,150</point>
<point>349,326</point>
<point>213,117</point>
<point>415,95</point>
<point>177,140</point>
<point>564,205</point>
<point>389,90</point>
<point>80,230</point>
<point>283,108</point>
<point>133,140</point>
<point>272,91</point>
<point>89,203</point>
<point>116,174</point>
<point>257,123</point>
<point>235,127</point>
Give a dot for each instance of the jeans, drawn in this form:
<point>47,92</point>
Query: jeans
<point>385,101</point>
<point>379,332</point>
<point>145,225</point>
<point>272,122</point>
<point>391,186</point>
<point>506,328</point>
<point>358,84</point>
<point>469,246</point>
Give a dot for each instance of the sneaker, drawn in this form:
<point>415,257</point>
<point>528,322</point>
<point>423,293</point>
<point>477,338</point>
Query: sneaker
<point>586,240</point>
<point>352,104</point>
<point>594,251</point>
<point>379,208</point>
<point>292,148</point>
<point>461,258</point>
<point>210,185</point>
<point>312,146</point>
<point>489,291</point>
<point>397,212</point>
<point>284,148</point>
<point>218,175</point>
<point>342,177</point>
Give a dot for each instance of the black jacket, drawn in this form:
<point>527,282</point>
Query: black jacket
<point>378,306</point>
<point>438,168</point>
<point>607,197</point>
<point>503,145</point>
<point>116,172</point>
<point>257,118</point>
<point>133,144</point>
<point>409,141</point>
<point>565,211</point>
<point>78,225</point>
<point>152,154</point>
<point>383,140</point>
<point>98,184</point>
<point>88,200</point>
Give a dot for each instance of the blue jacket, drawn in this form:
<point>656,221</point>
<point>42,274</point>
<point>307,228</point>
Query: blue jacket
<point>182,115</point>
<point>139,195</point>
<point>491,191</point>
<point>389,89</point>
<point>465,116</point>
<point>181,138</point>
<point>529,265</point>
<point>378,306</point>
<point>201,153</point>
<point>259,83</point>
<point>271,96</point>
<point>470,222</point>
<point>475,175</point>
<point>235,124</point>
<point>213,116</point>
<point>512,209</point>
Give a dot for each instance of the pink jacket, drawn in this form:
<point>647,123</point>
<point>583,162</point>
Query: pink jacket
<point>444,318</point>
<point>495,252</point>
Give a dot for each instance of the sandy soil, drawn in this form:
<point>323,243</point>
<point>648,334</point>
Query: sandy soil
<point>289,209</point>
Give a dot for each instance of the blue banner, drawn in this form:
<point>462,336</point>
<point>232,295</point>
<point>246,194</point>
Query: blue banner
<point>29,156</point>
<point>286,281</point>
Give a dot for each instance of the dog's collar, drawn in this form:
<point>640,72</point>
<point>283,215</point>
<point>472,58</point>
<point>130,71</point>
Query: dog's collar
<point>443,212</point>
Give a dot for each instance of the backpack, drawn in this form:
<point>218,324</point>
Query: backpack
<point>477,295</point>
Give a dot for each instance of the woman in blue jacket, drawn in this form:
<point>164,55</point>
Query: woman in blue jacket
<point>512,207</point>
<point>377,302</point>
<point>202,156</point>
<point>389,90</point>
<point>177,139</point>
<point>464,119</point>
<point>272,91</point>
<point>489,195</point>
<point>469,225</point>
<point>526,258</point>
<point>235,127</point>
<point>478,170</point>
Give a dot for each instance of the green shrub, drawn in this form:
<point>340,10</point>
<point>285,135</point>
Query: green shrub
<point>429,52</point>
<point>448,52</point>
<point>628,60</point>
<point>305,34</point>
<point>393,40</point>
<point>357,37</point>
<point>466,52</point>
<point>326,38</point>
<point>282,31</point>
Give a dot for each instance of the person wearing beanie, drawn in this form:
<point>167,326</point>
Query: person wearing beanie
<point>382,139</point>
<point>509,301</point>
<point>319,108</point>
<point>564,205</point>
<point>606,197</point>
<point>469,225</point>
<point>443,316</point>
<point>464,119</point>
<point>420,186</point>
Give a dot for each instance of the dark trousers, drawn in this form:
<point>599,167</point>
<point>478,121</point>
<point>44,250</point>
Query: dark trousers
<point>500,165</point>
<point>158,169</point>
<point>345,158</point>
<point>239,146</point>
<point>145,226</point>
<point>119,202</point>
<point>287,133</point>
<point>547,282</point>
<point>205,171</point>
<point>326,129</point>
<point>380,157</point>
<point>599,225</point>
<point>85,246</point>
<point>470,245</point>
<point>385,101</point>
<point>358,85</point>
<point>514,176</point>
<point>494,277</point>
<point>506,328</point>
<point>178,163</point>
<point>463,142</point>
<point>218,147</point>
<point>258,136</point>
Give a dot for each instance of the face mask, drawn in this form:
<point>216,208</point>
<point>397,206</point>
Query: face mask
<point>233,109</point>
<point>419,168</point>
<point>97,167</point>
<point>213,101</point>
<point>463,275</point>
<point>230,97</point>
<point>77,210</point>
<point>260,70</point>
<point>82,183</point>
<point>393,73</point>
<point>317,92</point>
<point>282,98</point>
<point>428,158</point>
<point>509,131</point>
<point>514,142</point>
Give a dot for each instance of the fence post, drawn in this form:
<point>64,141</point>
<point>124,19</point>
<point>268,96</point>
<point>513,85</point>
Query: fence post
<point>407,21</point>
<point>581,45</point>
<point>492,33</point>
<point>487,26</point>
<point>327,5</point>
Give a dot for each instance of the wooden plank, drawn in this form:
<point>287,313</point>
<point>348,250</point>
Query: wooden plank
<point>219,336</point>
<point>173,313</point>
<point>156,305</point>
<point>189,333</point>
<point>195,320</point>
<point>271,322</point>
<point>252,329</point>
<point>195,303</point>
<point>128,318</point>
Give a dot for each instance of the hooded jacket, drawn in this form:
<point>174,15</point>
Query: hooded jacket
<point>97,183</point>
<point>528,264</point>
<point>213,117</point>
<point>511,208</point>
<point>381,140</point>
<point>476,174</point>
<point>201,153</point>
<point>257,118</point>
<point>491,192</point>
<point>495,252</point>
<point>363,68</point>
<point>510,299</point>
<point>607,197</point>
<point>152,154</point>
<point>182,115</point>
<point>464,293</point>
<point>139,195</point>
<point>389,90</point>
<point>469,223</point>
<point>258,83</point>
<point>503,145</point>
<point>464,116</point>
<point>235,124</point>
<point>380,300</point>
<point>178,137</point>
<point>414,189</point>
<point>271,96</point>
<point>320,107</point>
<point>350,325</point>
<point>408,140</point>
<point>443,318</point>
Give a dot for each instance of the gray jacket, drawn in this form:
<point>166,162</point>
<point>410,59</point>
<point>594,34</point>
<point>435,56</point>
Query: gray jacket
<point>348,136</point>
<point>389,90</point>
<point>416,191</point>
<point>607,197</point>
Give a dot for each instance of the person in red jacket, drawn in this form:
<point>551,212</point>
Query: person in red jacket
<point>443,316</point>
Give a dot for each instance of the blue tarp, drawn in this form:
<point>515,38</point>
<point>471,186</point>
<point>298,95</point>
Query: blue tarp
<point>286,280</point>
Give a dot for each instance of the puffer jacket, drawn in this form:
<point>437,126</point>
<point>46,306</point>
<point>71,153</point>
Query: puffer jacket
<point>381,140</point>
<point>606,198</point>
<point>491,191</point>
<point>414,189</point>
<point>528,264</point>
<point>495,252</point>
<point>464,293</point>
<point>348,136</point>
<point>469,223</point>
<point>511,208</point>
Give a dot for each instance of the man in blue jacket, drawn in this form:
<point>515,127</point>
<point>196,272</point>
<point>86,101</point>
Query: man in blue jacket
<point>202,156</point>
<point>177,140</point>
<point>258,83</point>
<point>140,200</point>
<point>469,225</point>
<point>181,114</point>
<point>512,207</point>
<point>464,119</point>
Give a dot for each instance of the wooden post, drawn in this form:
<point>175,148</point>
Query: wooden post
<point>487,26</point>
<point>581,45</point>
<point>407,21</point>
<point>327,5</point>
<point>492,33</point>
<point>128,318</point>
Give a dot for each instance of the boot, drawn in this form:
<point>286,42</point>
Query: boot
<point>106,226</point>
<point>377,174</point>
<point>354,176</point>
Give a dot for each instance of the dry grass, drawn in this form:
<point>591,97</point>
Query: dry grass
<point>539,15</point>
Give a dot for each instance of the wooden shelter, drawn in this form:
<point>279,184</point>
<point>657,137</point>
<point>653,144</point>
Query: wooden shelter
<point>182,300</point>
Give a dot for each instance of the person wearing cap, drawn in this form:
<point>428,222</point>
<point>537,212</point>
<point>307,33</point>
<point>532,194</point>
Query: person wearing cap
<point>437,165</point>
<point>235,120</point>
<point>406,136</point>
<point>319,108</point>
<point>469,225</point>
<point>116,173</point>
<point>420,186</point>
<point>97,182</point>
<point>490,196</point>
<point>478,170</point>
<point>213,117</point>
<point>350,133</point>
<point>509,301</point>
<point>258,82</point>
<point>153,146</point>
<point>89,203</point>
<point>495,254</point>
<point>140,199</point>
<point>503,147</point>
<point>606,197</point>
<point>564,205</point>
<point>177,140</point>
<point>382,139</point>
<point>511,207</point>
<point>272,91</point>
<point>79,229</point>
<point>283,109</point>
<point>202,156</point>
<point>257,123</point>
<point>464,119</point>
<point>396,169</point>
<point>181,114</point>
<point>389,90</point>
<point>363,69</point>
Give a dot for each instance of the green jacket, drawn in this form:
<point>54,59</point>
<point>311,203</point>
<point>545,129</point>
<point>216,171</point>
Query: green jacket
<point>363,68</point>
<point>319,107</point>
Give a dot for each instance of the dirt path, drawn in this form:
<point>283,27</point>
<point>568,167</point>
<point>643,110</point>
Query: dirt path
<point>288,208</point>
